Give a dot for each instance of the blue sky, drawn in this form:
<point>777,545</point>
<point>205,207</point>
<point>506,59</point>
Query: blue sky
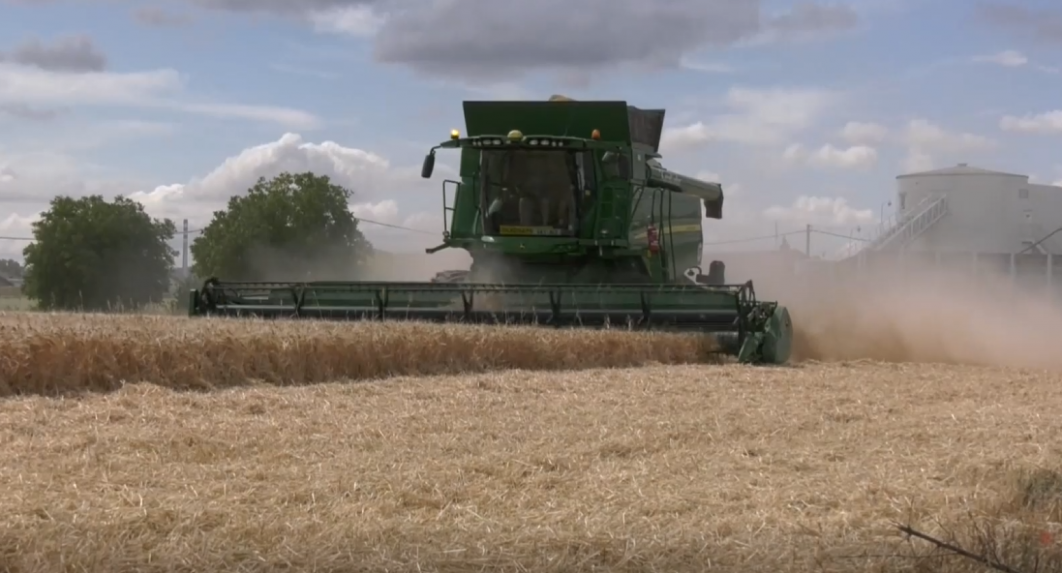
<point>184,103</point>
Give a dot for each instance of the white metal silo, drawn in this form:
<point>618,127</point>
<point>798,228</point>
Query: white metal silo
<point>987,211</point>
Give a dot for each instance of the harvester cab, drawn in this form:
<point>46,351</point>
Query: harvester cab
<point>571,221</point>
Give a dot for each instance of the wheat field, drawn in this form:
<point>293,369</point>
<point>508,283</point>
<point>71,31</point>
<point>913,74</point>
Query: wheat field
<point>246,446</point>
<point>54,354</point>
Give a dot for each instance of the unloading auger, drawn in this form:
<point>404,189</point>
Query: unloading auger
<point>585,231</point>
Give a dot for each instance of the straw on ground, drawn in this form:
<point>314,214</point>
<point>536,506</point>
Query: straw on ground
<point>665,468</point>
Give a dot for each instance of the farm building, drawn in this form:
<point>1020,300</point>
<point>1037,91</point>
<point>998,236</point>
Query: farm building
<point>965,209</point>
<point>965,219</point>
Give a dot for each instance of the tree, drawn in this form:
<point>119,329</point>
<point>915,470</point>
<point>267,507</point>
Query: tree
<point>10,268</point>
<point>92,255</point>
<point>292,227</point>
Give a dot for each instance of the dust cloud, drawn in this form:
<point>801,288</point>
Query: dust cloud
<point>275,265</point>
<point>909,311</point>
<point>414,267</point>
<point>915,311</point>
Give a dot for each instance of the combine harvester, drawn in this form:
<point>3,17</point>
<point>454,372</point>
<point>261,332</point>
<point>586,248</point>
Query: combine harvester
<point>571,221</point>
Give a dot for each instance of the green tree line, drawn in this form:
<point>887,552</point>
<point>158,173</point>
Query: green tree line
<point>91,254</point>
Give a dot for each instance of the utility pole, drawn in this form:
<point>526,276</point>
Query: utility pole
<point>184,251</point>
<point>807,241</point>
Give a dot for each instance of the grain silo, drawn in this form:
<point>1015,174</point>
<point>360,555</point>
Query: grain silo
<point>966,209</point>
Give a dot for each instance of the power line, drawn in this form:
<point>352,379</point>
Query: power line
<point>849,237</point>
<point>751,239</point>
<point>410,229</point>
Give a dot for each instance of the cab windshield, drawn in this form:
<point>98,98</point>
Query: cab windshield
<point>535,191</point>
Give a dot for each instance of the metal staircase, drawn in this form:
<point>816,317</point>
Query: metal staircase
<point>910,226</point>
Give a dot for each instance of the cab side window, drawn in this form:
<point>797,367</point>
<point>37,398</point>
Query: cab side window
<point>615,164</point>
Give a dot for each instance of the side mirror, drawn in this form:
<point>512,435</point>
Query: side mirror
<point>429,166</point>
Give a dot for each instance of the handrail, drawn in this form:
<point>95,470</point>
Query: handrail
<point>921,209</point>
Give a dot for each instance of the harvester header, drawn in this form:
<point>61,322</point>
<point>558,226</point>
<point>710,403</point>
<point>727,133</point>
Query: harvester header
<point>571,221</point>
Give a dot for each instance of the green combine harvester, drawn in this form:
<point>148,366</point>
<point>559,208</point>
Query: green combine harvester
<point>571,221</point>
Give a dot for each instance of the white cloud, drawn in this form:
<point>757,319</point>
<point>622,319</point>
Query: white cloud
<point>729,189</point>
<point>925,134</point>
<point>386,220</point>
<point>1006,58</point>
<point>758,117</point>
<point>825,211</point>
<point>301,70</point>
<point>350,167</point>
<point>165,88</point>
<point>21,84</point>
<point>288,117</point>
<point>805,22</point>
<point>828,156</point>
<point>1043,123</point>
<point>926,142</point>
<point>359,21</point>
<point>705,67</point>
<point>36,177</point>
<point>76,134</point>
<point>395,196</point>
<point>13,227</point>
<point>917,160</point>
<point>1013,59</point>
<point>861,133</point>
<point>370,176</point>
<point>385,211</point>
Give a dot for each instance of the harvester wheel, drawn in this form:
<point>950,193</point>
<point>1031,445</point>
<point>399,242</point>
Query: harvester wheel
<point>778,339</point>
<point>773,344</point>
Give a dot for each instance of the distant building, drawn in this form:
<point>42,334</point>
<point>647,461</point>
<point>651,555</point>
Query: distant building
<point>964,209</point>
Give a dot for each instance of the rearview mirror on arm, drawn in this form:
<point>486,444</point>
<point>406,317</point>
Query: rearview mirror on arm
<point>429,165</point>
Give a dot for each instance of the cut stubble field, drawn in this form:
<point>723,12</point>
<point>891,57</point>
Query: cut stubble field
<point>222,445</point>
<point>665,468</point>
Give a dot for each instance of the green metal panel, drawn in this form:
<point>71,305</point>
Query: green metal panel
<point>754,331</point>
<point>560,118</point>
<point>469,161</point>
<point>710,194</point>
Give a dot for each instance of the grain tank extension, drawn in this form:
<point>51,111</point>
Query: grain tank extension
<point>571,221</point>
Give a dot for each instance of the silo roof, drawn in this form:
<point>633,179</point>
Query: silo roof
<point>960,169</point>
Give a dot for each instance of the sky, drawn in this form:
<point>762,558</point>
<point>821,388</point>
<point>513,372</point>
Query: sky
<point>805,111</point>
